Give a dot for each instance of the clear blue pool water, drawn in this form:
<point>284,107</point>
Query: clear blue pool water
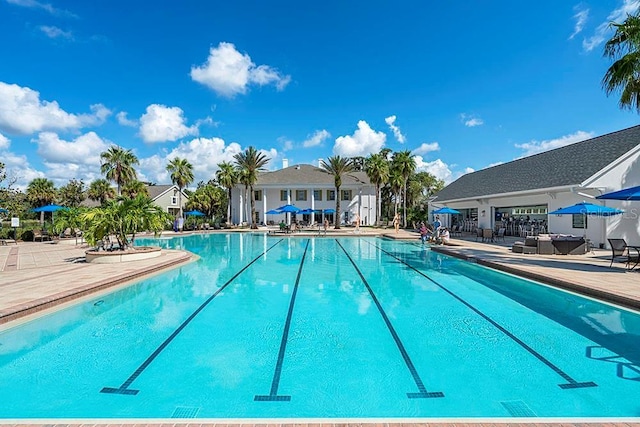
<point>265,327</point>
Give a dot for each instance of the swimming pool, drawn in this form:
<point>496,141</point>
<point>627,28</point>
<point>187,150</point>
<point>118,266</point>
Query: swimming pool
<point>264,327</point>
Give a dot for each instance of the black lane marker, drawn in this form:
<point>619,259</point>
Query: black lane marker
<point>124,388</point>
<point>423,393</point>
<point>273,394</point>
<point>571,383</point>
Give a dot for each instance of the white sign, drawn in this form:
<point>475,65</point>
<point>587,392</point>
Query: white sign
<point>15,222</point>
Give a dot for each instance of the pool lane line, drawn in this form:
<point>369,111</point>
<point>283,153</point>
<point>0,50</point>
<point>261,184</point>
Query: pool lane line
<point>571,383</point>
<point>423,393</point>
<point>124,388</point>
<point>273,394</point>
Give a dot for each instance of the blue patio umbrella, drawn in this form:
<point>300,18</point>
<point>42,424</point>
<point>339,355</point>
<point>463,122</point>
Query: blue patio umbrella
<point>587,209</point>
<point>288,209</point>
<point>49,208</point>
<point>445,210</point>
<point>3,210</point>
<point>329,211</point>
<point>273,212</point>
<point>307,211</point>
<point>631,193</point>
<point>194,213</point>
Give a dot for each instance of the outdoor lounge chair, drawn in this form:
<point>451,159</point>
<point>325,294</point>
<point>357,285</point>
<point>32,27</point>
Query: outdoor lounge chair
<point>619,249</point>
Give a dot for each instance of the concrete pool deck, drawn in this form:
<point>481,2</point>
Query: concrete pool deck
<point>38,276</point>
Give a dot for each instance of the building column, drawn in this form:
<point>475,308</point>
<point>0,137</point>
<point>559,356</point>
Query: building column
<point>264,206</point>
<point>240,219</point>
<point>313,207</point>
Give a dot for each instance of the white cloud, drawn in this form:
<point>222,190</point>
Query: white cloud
<point>471,120</point>
<point>229,72</point>
<point>425,148</point>
<point>437,168</point>
<point>4,142</point>
<point>161,123</point>
<point>22,112</point>
<point>203,153</point>
<point>316,139</point>
<point>363,142</point>
<point>34,4</point>
<point>535,147</point>
<point>287,144</point>
<point>125,121</point>
<point>617,15</point>
<point>395,129</point>
<point>581,17</point>
<point>84,150</point>
<point>55,32</point>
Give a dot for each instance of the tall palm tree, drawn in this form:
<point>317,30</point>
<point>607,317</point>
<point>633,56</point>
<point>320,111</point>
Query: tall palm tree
<point>396,181</point>
<point>227,177</point>
<point>100,191</point>
<point>41,191</point>
<point>250,162</point>
<point>117,165</point>
<point>405,163</point>
<point>243,178</point>
<point>181,175</point>
<point>624,73</point>
<point>377,168</point>
<point>337,166</point>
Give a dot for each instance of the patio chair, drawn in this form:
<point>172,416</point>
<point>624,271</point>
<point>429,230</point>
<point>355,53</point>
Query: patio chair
<point>619,249</point>
<point>500,234</point>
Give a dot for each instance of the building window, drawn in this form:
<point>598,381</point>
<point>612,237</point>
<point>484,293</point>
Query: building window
<point>301,195</point>
<point>579,221</point>
<point>346,194</point>
<point>331,195</point>
<point>257,195</point>
<point>317,194</point>
<point>174,200</point>
<point>283,195</point>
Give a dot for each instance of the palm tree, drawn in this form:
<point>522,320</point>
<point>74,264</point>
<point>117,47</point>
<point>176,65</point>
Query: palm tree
<point>227,177</point>
<point>243,178</point>
<point>337,166</point>
<point>132,188</point>
<point>40,192</point>
<point>624,73</point>
<point>100,191</point>
<point>117,165</point>
<point>181,175</point>
<point>405,164</point>
<point>250,162</point>
<point>396,181</point>
<point>377,168</point>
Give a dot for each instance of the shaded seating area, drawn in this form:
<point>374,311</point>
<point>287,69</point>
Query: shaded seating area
<point>620,249</point>
<point>551,244</point>
<point>41,235</point>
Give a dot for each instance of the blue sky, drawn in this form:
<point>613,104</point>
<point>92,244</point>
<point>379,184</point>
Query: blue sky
<point>463,85</point>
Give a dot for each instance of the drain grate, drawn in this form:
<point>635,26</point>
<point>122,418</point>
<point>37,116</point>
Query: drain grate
<point>185,412</point>
<point>518,408</point>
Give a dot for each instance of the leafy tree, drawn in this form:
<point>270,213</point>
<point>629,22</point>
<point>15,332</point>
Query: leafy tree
<point>132,188</point>
<point>181,175</point>
<point>405,163</point>
<point>117,166</point>
<point>208,199</point>
<point>72,194</point>
<point>124,218</point>
<point>227,177</point>
<point>100,191</point>
<point>337,166</point>
<point>250,162</point>
<point>396,182</point>
<point>377,168</point>
<point>40,192</point>
<point>624,74</point>
<point>70,218</point>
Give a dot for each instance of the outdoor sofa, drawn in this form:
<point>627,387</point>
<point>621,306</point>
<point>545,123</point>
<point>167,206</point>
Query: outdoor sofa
<point>552,244</point>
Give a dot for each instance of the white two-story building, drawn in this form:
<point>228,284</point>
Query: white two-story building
<point>306,187</point>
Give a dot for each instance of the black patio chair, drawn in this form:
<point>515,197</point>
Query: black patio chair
<point>619,249</point>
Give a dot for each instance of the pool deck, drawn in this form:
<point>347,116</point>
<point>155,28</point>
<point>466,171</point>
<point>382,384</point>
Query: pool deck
<point>35,277</point>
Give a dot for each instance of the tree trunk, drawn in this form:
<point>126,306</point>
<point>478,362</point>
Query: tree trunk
<point>378,211</point>
<point>253,209</point>
<point>337,221</point>
<point>404,204</point>
<point>229,207</point>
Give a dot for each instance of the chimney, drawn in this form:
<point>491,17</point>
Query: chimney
<point>285,163</point>
<point>319,163</point>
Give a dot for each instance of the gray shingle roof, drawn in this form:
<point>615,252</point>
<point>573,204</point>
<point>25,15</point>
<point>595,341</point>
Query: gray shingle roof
<point>565,166</point>
<point>308,175</point>
<point>156,190</point>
